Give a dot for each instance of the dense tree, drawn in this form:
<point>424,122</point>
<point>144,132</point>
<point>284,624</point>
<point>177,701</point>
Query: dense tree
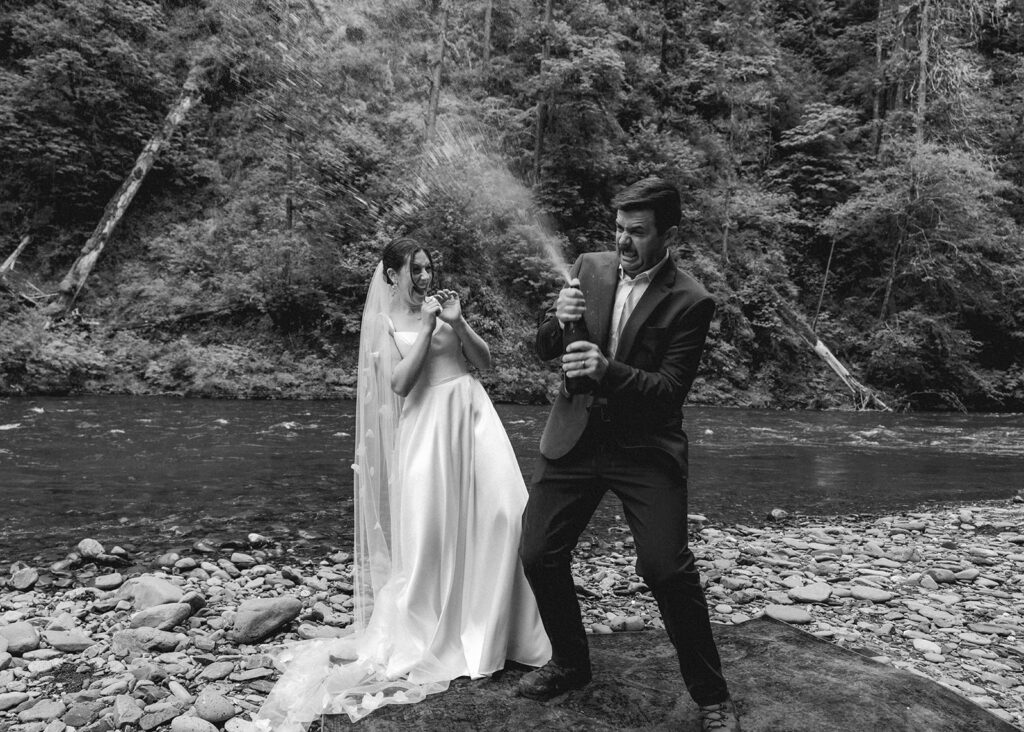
<point>856,165</point>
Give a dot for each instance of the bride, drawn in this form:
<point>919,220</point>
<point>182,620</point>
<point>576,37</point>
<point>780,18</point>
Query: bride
<point>439,588</point>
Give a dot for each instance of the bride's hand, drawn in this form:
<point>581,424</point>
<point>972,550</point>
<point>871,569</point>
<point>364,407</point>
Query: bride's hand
<point>451,307</point>
<point>429,311</point>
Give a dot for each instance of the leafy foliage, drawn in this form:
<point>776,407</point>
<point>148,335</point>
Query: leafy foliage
<point>817,172</point>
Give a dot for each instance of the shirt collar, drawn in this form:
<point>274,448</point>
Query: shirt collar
<point>646,275</point>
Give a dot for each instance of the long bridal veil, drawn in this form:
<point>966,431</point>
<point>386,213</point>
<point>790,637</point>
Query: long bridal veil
<point>356,674</point>
<point>377,411</point>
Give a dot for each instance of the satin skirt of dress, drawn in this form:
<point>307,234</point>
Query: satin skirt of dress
<point>457,603</point>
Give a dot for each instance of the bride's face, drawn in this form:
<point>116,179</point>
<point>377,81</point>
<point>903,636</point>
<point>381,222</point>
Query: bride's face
<point>414,278</point>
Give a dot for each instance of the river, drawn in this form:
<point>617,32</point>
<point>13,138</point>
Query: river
<point>152,473</point>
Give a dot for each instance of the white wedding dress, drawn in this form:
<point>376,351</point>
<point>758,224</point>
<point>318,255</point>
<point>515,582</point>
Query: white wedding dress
<point>456,602</point>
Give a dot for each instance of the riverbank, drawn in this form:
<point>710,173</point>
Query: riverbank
<point>105,640</point>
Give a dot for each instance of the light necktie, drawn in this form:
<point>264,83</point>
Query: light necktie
<point>627,309</point>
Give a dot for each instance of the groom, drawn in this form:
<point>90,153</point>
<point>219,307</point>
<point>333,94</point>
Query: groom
<point>647,322</point>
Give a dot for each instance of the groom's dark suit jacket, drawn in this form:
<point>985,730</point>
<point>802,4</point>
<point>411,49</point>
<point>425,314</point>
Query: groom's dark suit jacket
<point>649,376</point>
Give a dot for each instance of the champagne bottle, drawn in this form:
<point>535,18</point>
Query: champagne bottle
<point>576,330</point>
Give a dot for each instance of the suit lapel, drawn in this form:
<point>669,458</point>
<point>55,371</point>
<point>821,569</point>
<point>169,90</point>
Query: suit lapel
<point>600,292</point>
<point>657,291</point>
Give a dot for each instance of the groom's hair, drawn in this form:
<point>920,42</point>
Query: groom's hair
<point>656,194</point>
<point>399,252</point>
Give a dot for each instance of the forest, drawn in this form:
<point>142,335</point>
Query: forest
<point>193,193</point>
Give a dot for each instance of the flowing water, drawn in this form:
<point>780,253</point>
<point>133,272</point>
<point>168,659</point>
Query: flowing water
<point>155,473</point>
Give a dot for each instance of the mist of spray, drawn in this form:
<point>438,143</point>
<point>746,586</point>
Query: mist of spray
<point>459,161</point>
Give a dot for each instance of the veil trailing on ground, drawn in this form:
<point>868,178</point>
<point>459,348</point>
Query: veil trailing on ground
<point>377,411</point>
<point>349,674</point>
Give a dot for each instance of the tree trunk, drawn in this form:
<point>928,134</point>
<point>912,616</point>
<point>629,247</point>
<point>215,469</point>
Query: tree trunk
<point>74,280</point>
<point>887,295</point>
<point>542,102</point>
<point>727,216</point>
<point>437,73</point>
<point>864,397</point>
<point>923,33</point>
<point>663,51</point>
<point>289,203</point>
<point>486,43</point>
<point>876,102</point>
<point>8,264</point>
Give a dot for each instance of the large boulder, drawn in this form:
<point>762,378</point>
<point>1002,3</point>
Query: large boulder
<point>21,637</point>
<point>162,617</point>
<point>68,641</point>
<point>259,618</point>
<point>147,640</point>
<point>213,706</point>
<point>147,591</point>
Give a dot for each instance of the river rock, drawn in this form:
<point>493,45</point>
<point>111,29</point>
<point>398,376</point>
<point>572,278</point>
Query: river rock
<point>990,628</point>
<point>90,549</point>
<point>167,560</point>
<point>257,619</point>
<point>788,614</point>
<point>82,713</point>
<point>145,639</point>
<point>108,582</point>
<point>241,559</point>
<point>927,646</point>
<point>194,600</point>
<point>872,594</point>
<point>43,711</point>
<point>21,637</point>
<point>24,579</point>
<point>147,590</point>
<point>162,617</point>
<point>126,711</point>
<point>817,592</point>
<point>308,631</point>
<point>69,641</point>
<point>230,569</point>
<point>158,715</point>
<point>11,699</point>
<point>217,670</point>
<point>189,723</point>
<point>941,575</point>
<point>213,706</point>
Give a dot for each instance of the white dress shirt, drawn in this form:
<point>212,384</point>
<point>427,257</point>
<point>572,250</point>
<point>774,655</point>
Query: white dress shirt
<point>627,295</point>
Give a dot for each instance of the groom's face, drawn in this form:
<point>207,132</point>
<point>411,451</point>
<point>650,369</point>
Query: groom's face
<point>638,242</point>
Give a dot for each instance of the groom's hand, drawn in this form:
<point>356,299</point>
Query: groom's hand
<point>583,358</point>
<point>570,304</point>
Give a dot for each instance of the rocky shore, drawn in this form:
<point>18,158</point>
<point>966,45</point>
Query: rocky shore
<point>103,640</point>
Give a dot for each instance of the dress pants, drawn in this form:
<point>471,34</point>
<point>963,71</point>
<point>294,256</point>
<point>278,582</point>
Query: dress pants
<point>563,497</point>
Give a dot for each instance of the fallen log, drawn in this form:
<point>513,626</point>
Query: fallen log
<point>864,397</point>
<point>74,280</point>
<point>8,265</point>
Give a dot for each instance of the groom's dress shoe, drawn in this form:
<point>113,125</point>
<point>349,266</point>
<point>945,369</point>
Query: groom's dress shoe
<point>551,680</point>
<point>715,717</point>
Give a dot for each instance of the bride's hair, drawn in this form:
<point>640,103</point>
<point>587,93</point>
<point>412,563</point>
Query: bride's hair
<point>399,252</point>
